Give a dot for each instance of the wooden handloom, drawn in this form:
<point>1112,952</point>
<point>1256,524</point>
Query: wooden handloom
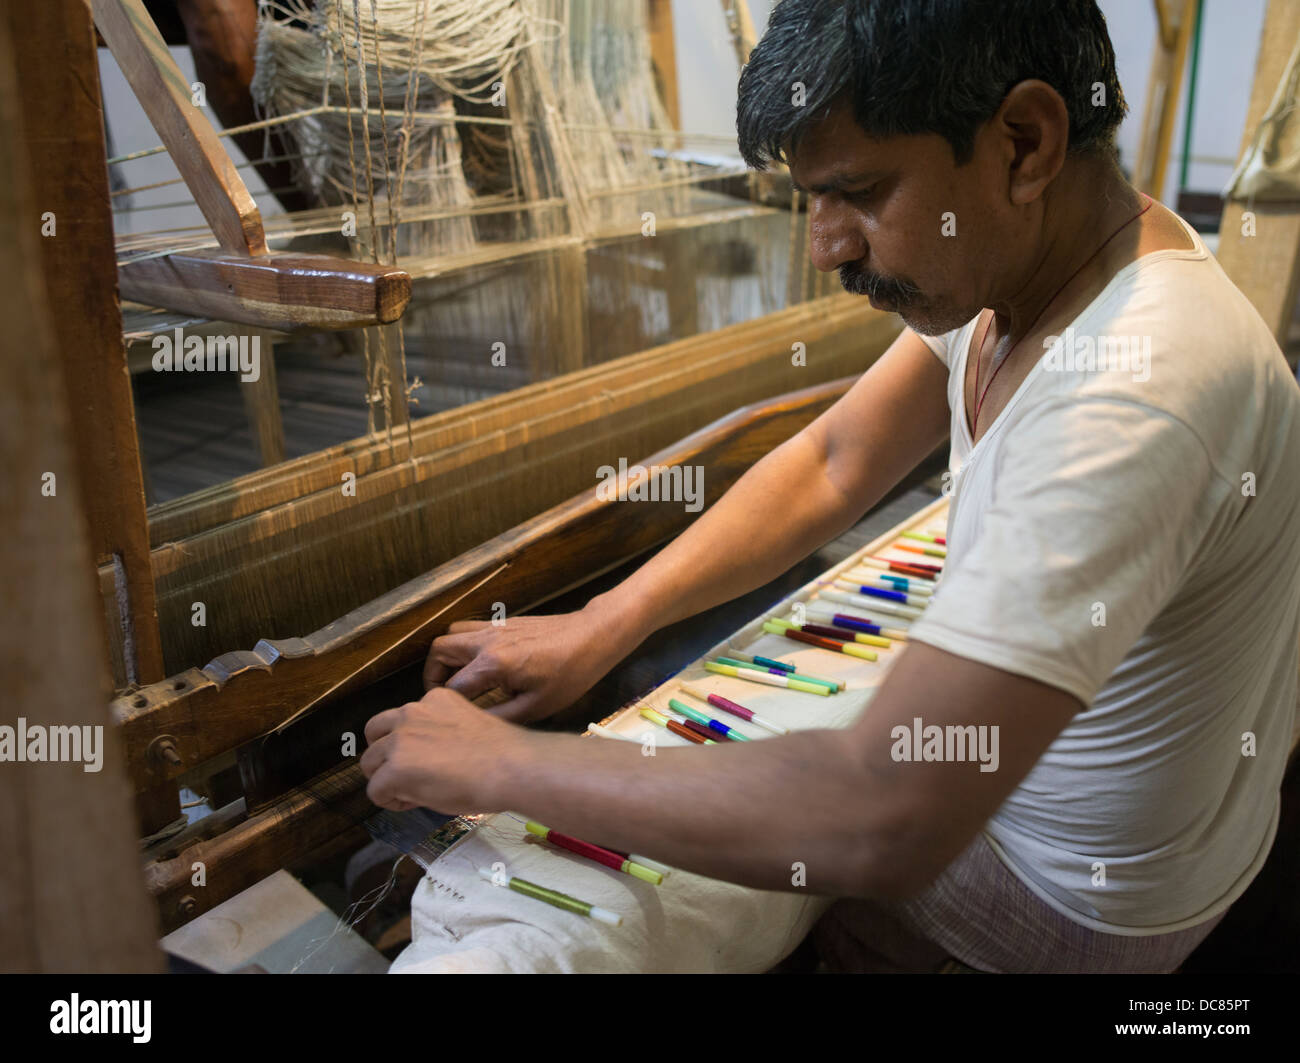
<point>187,713</point>
<point>227,545</point>
<point>275,529</point>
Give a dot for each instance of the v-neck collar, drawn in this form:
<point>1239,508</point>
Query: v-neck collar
<point>1198,250</point>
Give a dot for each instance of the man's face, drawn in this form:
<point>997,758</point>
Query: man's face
<point>902,223</point>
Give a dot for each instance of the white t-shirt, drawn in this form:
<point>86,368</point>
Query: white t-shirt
<point>1131,534</point>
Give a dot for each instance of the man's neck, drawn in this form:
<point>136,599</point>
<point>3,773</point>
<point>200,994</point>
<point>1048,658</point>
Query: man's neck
<point>1089,201</point>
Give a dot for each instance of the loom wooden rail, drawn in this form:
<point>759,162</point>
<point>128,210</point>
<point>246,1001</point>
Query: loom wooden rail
<point>239,852</point>
<point>282,291</point>
<point>203,713</point>
<point>241,282</point>
<point>167,99</point>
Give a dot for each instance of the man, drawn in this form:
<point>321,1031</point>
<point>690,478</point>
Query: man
<point>1121,599</point>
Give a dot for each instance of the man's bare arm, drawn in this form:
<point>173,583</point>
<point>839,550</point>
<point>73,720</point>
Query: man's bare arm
<point>802,494</point>
<point>861,823</point>
<point>813,487</point>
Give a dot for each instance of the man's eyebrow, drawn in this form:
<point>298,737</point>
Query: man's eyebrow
<point>838,181</point>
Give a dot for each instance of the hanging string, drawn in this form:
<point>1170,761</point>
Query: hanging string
<point>410,101</point>
<point>356,205</point>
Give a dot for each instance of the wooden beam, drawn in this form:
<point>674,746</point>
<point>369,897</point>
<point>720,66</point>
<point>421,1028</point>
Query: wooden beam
<point>1166,25</point>
<point>64,142</point>
<point>282,291</point>
<point>741,27</point>
<point>71,895</point>
<point>1263,257</point>
<point>253,847</point>
<point>1176,22</point>
<point>185,131</point>
<point>262,404</point>
<point>663,56</point>
<point>241,695</point>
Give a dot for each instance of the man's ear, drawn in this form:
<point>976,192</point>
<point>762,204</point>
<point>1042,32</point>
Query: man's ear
<point>1034,125</point>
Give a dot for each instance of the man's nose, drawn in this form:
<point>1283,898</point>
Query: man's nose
<point>834,235</point>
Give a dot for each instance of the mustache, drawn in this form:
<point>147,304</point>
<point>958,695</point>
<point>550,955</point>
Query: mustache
<point>859,281</point>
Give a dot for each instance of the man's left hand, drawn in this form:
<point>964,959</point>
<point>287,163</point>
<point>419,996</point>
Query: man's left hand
<point>441,752</point>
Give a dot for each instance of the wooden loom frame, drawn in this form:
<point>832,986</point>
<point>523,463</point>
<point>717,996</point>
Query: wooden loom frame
<point>243,693</point>
<point>174,554</point>
<point>69,865</point>
<point>171,727</point>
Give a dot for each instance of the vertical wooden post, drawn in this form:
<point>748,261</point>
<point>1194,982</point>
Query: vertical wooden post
<point>262,404</point>
<point>1265,264</point>
<point>72,897</point>
<point>64,145</point>
<point>663,55</point>
<point>741,26</point>
<point>1176,22</point>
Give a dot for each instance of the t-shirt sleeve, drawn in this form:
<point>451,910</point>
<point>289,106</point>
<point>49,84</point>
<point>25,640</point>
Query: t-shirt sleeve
<point>940,345</point>
<point>1099,508</point>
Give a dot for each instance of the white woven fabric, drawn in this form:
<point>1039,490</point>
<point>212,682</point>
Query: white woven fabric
<point>463,924</point>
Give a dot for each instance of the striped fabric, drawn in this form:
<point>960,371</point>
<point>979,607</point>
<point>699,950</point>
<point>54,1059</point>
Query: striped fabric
<point>981,915</point>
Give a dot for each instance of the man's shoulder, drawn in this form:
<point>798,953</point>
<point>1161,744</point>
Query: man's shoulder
<point>1181,340</point>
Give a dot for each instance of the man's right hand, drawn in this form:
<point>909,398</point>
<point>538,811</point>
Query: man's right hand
<point>811,488</point>
<point>544,663</point>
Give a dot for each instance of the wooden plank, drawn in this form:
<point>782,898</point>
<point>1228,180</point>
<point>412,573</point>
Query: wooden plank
<point>741,27</point>
<point>65,146</point>
<point>1176,22</point>
<point>663,56</point>
<point>186,132</point>
<point>243,694</point>
<point>71,895</point>
<point>256,846</point>
<point>262,404</point>
<point>1266,264</point>
<point>283,291</point>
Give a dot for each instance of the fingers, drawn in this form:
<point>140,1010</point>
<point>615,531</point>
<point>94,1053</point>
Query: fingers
<point>381,724</point>
<point>458,649</point>
<point>476,678</point>
<point>373,757</point>
<point>375,765</point>
<point>458,627</point>
<point>383,790</point>
<point>435,672</point>
<point>522,708</point>
<point>452,651</point>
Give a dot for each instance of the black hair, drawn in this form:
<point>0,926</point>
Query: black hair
<point>925,66</point>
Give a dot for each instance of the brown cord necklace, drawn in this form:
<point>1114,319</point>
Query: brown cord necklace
<point>979,351</point>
